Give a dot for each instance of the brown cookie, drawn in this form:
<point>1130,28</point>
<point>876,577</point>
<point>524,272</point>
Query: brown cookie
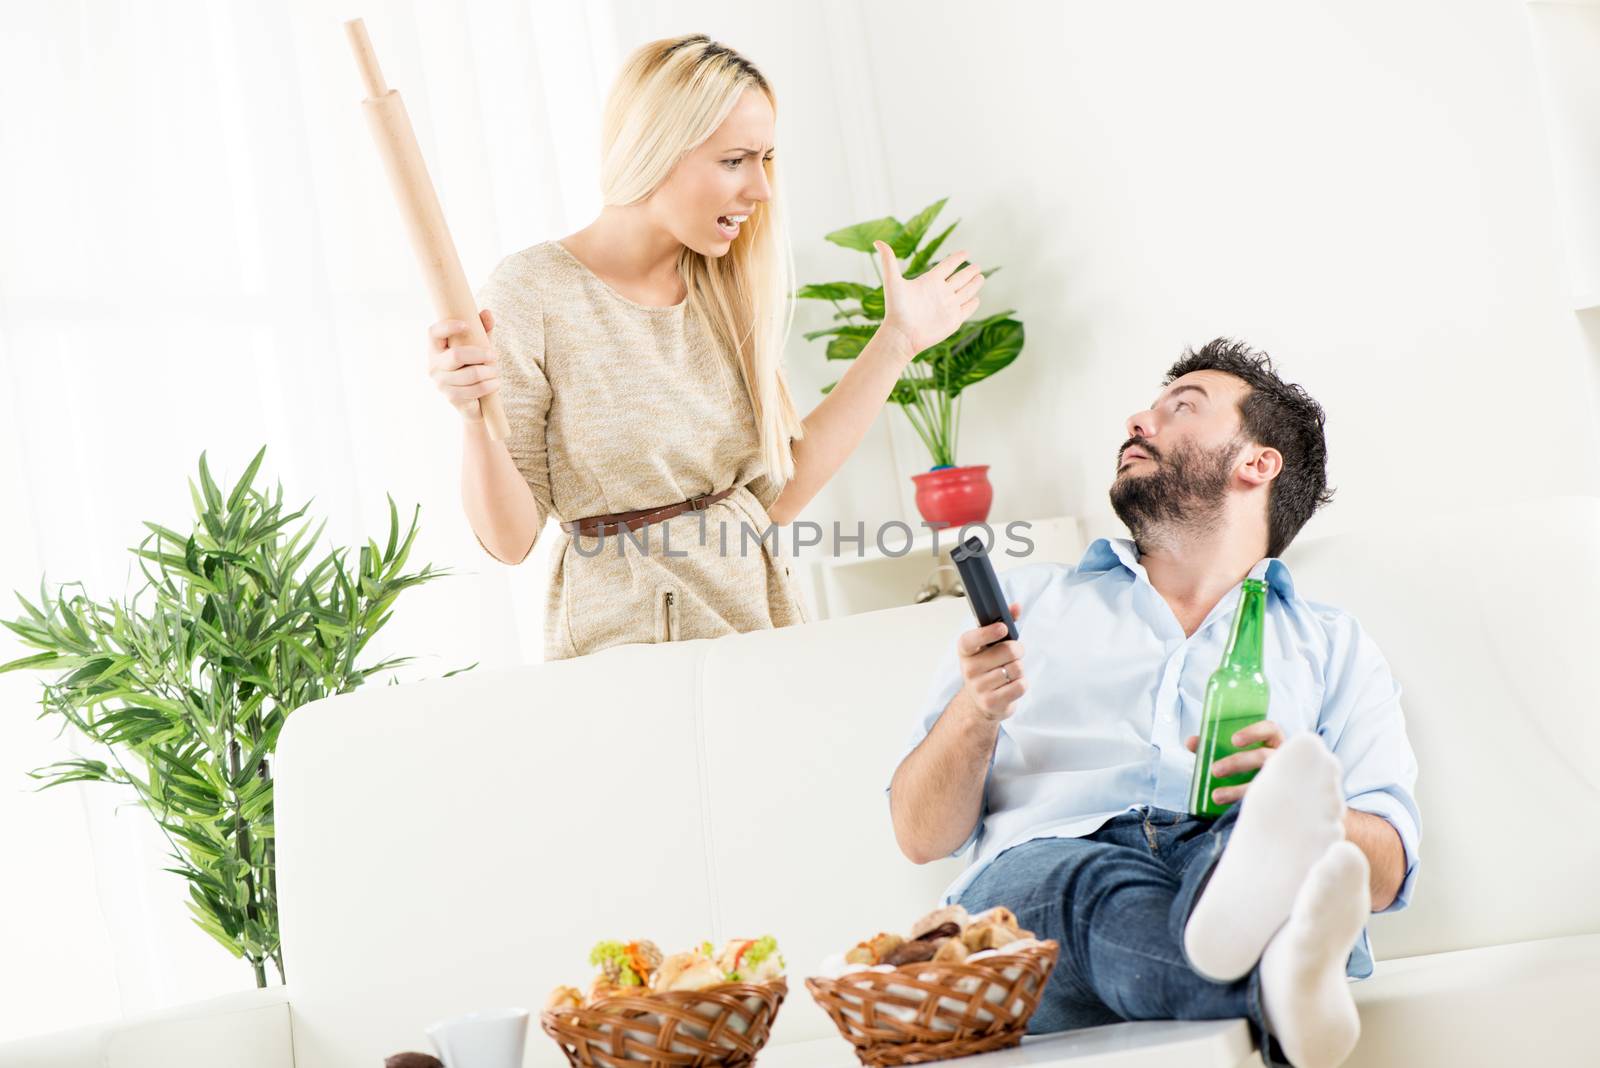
<point>412,1060</point>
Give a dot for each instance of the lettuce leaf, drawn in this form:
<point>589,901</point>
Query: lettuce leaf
<point>764,948</point>
<point>615,953</point>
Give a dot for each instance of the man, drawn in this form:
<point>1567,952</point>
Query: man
<point>1069,767</point>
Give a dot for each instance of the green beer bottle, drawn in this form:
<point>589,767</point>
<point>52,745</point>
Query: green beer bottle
<point>1236,696</point>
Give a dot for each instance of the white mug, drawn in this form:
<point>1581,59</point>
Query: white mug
<point>490,1039</point>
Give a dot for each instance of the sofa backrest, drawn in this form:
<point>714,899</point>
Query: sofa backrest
<point>461,843</point>
<point>1489,621</point>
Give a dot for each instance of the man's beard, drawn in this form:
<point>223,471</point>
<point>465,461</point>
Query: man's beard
<point>1185,493</point>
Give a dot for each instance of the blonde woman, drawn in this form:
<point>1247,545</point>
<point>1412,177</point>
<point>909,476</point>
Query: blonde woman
<point>639,362</point>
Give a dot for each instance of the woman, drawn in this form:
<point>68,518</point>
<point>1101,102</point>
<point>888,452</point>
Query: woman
<point>639,363</point>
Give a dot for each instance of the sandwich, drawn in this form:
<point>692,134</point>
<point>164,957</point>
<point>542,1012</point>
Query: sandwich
<point>639,968</point>
<point>751,960</point>
<point>625,964</point>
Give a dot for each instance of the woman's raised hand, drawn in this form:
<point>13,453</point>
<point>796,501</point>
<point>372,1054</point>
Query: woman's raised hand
<point>462,372</point>
<point>928,308</point>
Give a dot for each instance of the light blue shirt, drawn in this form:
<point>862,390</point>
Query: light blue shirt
<point>1114,688</point>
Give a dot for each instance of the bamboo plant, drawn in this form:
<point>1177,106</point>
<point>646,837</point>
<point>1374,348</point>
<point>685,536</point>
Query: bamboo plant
<point>929,390</point>
<point>186,685</point>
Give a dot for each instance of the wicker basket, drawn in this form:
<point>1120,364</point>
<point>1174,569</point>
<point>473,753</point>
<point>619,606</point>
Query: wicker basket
<point>725,1024</point>
<point>928,1012</point>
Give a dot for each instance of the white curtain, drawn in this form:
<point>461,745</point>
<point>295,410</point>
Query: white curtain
<point>200,252</point>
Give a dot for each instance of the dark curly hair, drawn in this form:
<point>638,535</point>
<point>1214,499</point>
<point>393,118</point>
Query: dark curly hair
<point>1279,415</point>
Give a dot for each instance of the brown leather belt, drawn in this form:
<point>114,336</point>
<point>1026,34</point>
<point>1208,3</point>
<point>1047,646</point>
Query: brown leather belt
<point>593,525</point>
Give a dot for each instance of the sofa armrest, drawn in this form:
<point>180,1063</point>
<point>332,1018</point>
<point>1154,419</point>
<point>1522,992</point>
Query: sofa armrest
<point>1519,1003</point>
<point>253,1027</point>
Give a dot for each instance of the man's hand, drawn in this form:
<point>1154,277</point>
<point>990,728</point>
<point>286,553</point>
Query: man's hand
<point>1266,732</point>
<point>993,674</point>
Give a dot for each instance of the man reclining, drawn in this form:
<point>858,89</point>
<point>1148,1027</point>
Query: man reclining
<point>1069,767</point>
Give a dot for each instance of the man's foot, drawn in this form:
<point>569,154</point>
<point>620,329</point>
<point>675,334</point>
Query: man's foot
<point>1292,813</point>
<point>1304,992</point>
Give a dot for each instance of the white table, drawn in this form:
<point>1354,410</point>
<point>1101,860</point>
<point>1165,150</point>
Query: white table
<point>1143,1044</point>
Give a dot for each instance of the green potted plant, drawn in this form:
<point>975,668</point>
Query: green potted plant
<point>187,683</point>
<point>929,391</point>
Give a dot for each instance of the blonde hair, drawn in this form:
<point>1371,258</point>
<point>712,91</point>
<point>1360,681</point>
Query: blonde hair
<point>669,97</point>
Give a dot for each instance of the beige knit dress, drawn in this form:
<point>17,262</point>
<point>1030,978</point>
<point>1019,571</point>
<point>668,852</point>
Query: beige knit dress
<point>616,406</point>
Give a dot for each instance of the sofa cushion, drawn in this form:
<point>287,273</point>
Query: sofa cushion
<point>801,731</point>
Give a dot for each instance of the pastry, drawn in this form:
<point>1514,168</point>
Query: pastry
<point>873,950</point>
<point>937,918</point>
<point>910,953</point>
<point>944,930</point>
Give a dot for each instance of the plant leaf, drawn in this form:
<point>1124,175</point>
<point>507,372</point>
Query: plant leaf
<point>915,227</point>
<point>847,346</point>
<point>924,258</point>
<point>833,291</point>
<point>996,345</point>
<point>861,236</point>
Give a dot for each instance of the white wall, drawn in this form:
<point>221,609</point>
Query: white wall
<point>46,866</point>
<point>198,250</point>
<point>1361,189</point>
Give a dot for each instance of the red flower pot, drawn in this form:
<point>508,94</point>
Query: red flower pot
<point>952,496</point>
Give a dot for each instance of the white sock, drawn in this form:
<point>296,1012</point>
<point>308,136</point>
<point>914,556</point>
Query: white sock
<point>1304,992</point>
<point>1292,813</point>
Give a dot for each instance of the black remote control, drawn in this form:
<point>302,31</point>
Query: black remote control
<point>983,586</point>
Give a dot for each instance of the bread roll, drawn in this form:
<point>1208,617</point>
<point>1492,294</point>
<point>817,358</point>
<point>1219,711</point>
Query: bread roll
<point>603,987</point>
<point>697,976</point>
<point>989,935</point>
<point>998,914</point>
<point>565,997</point>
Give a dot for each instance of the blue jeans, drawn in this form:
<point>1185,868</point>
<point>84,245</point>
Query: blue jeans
<point>1117,901</point>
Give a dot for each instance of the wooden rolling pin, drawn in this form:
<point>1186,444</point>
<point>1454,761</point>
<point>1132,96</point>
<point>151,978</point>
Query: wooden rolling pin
<point>419,207</point>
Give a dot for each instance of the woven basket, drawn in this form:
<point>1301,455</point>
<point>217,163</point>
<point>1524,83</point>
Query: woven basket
<point>725,1024</point>
<point>928,1012</point>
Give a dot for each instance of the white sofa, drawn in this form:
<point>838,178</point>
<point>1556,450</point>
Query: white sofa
<point>460,844</point>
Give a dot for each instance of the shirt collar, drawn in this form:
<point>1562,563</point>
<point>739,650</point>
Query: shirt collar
<point>1107,553</point>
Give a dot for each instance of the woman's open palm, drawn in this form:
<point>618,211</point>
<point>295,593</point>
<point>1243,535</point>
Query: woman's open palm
<point>928,308</point>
